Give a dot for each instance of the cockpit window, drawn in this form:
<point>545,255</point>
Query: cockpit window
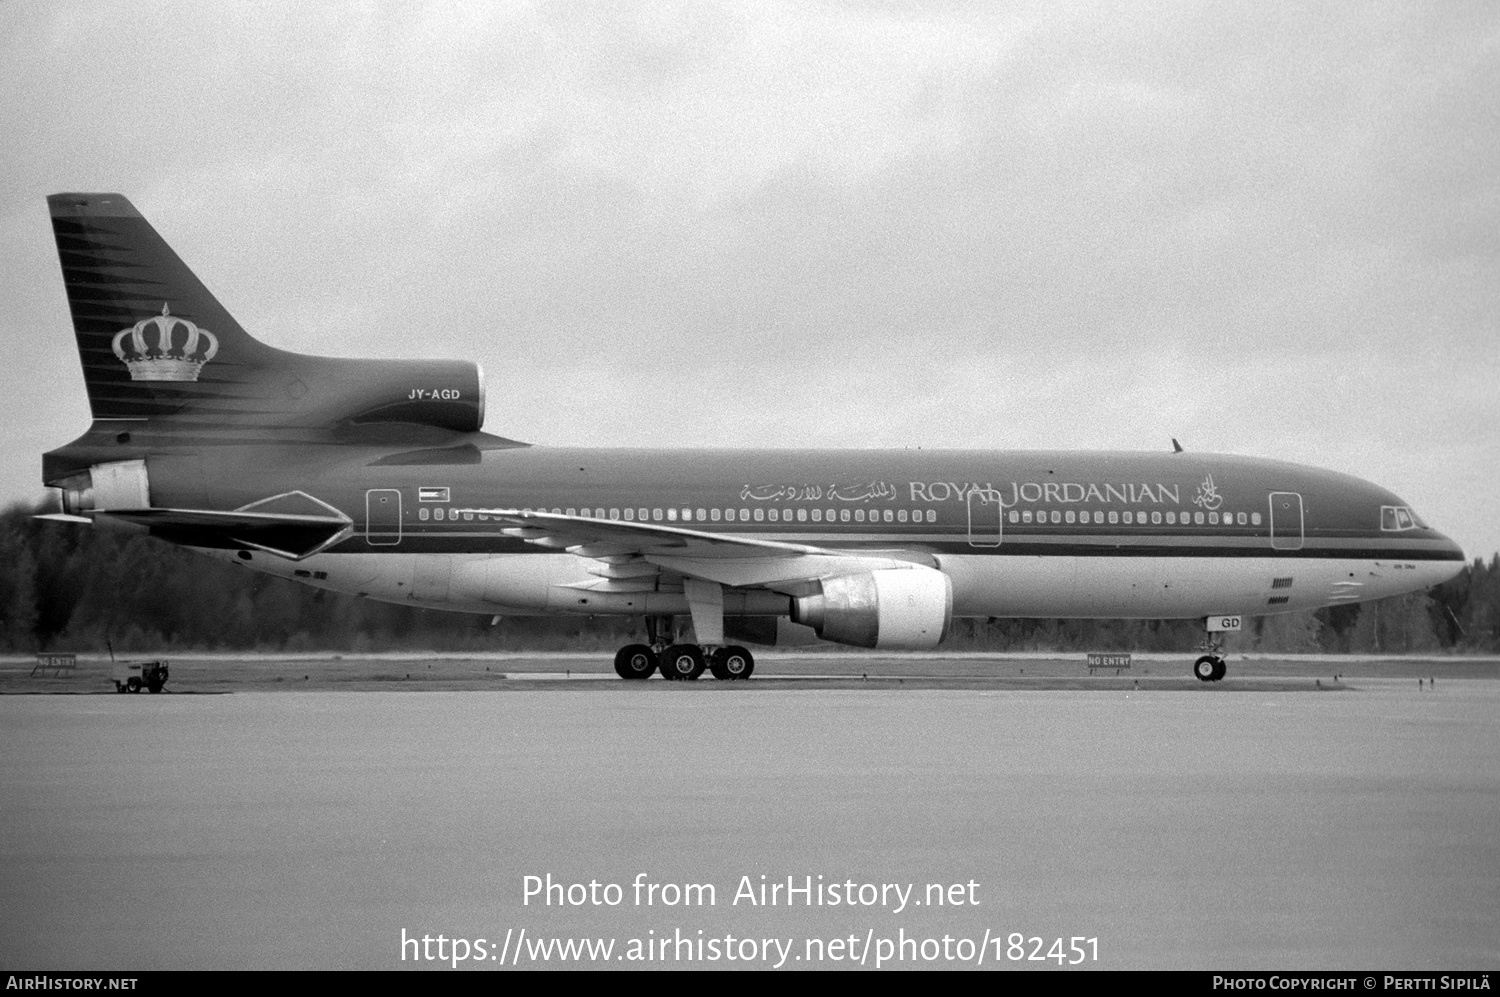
<point>1395,518</point>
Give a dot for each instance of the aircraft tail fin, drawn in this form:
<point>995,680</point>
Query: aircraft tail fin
<point>156,345</point>
<point>150,336</point>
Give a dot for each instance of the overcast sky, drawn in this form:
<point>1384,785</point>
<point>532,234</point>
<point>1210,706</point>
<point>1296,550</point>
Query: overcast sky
<point>1261,228</point>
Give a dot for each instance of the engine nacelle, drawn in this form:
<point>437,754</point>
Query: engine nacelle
<point>908,608</point>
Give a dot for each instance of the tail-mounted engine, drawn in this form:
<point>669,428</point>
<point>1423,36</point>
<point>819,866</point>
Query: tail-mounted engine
<point>907,608</point>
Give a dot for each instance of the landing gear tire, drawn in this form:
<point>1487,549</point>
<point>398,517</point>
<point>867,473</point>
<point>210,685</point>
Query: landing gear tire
<point>635,661</point>
<point>682,662</point>
<point>732,662</point>
<point>1209,668</point>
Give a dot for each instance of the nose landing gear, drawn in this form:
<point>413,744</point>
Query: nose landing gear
<point>1210,667</point>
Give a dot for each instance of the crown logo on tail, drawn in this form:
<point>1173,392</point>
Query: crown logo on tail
<point>164,360</point>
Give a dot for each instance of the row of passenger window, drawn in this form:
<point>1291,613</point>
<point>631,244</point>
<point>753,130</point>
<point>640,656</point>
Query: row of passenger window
<point>723,515</point>
<point>1017,516</point>
<point>1138,518</point>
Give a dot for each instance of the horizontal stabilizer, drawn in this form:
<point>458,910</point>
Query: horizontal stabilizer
<point>291,536</point>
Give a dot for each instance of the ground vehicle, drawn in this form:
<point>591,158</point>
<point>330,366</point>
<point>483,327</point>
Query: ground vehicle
<point>130,676</point>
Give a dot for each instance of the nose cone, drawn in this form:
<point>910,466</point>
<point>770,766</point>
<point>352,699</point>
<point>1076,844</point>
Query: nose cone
<point>1452,558</point>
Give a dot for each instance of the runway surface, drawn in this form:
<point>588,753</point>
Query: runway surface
<point>1272,828</point>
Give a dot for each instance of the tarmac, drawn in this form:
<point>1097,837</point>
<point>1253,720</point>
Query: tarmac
<point>1137,821</point>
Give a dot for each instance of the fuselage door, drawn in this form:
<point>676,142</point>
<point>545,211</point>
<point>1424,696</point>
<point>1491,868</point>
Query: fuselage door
<point>985,517</point>
<point>1286,521</point>
<point>383,517</point>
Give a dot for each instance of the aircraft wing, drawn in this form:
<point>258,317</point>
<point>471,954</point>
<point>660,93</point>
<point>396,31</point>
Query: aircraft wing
<point>627,550</point>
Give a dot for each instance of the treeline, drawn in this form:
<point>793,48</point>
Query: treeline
<point>70,587</point>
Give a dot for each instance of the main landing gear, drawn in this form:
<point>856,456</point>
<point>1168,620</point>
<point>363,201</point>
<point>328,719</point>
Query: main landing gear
<point>681,662</point>
<point>684,662</point>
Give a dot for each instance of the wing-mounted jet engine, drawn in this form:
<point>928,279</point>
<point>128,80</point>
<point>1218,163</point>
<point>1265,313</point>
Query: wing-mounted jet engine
<point>892,608</point>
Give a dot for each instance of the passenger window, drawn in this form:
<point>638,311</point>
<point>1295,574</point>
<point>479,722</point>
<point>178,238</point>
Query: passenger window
<point>438,514</point>
<point>844,515</point>
<point>1015,517</point>
<point>1156,519</point>
<point>614,514</point>
<point>1171,519</point>
<point>774,514</point>
<point>1241,518</point>
<point>702,514</point>
<point>889,516</point>
<point>1213,519</point>
<point>422,514</point>
<point>715,514</point>
<point>1255,519</point>
<point>760,514</point>
<point>630,515</point>
<point>801,515</point>
<point>932,515</point>
<point>572,512</point>
<point>817,515</point>
<point>656,514</point>
<point>901,515</point>
<point>1129,518</point>
<point>598,513</point>
<point>671,515</point>
<point>859,515</point>
<point>744,515</point>
<point>1069,516</point>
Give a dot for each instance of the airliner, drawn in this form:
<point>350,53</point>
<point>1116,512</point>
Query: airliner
<point>375,478</point>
